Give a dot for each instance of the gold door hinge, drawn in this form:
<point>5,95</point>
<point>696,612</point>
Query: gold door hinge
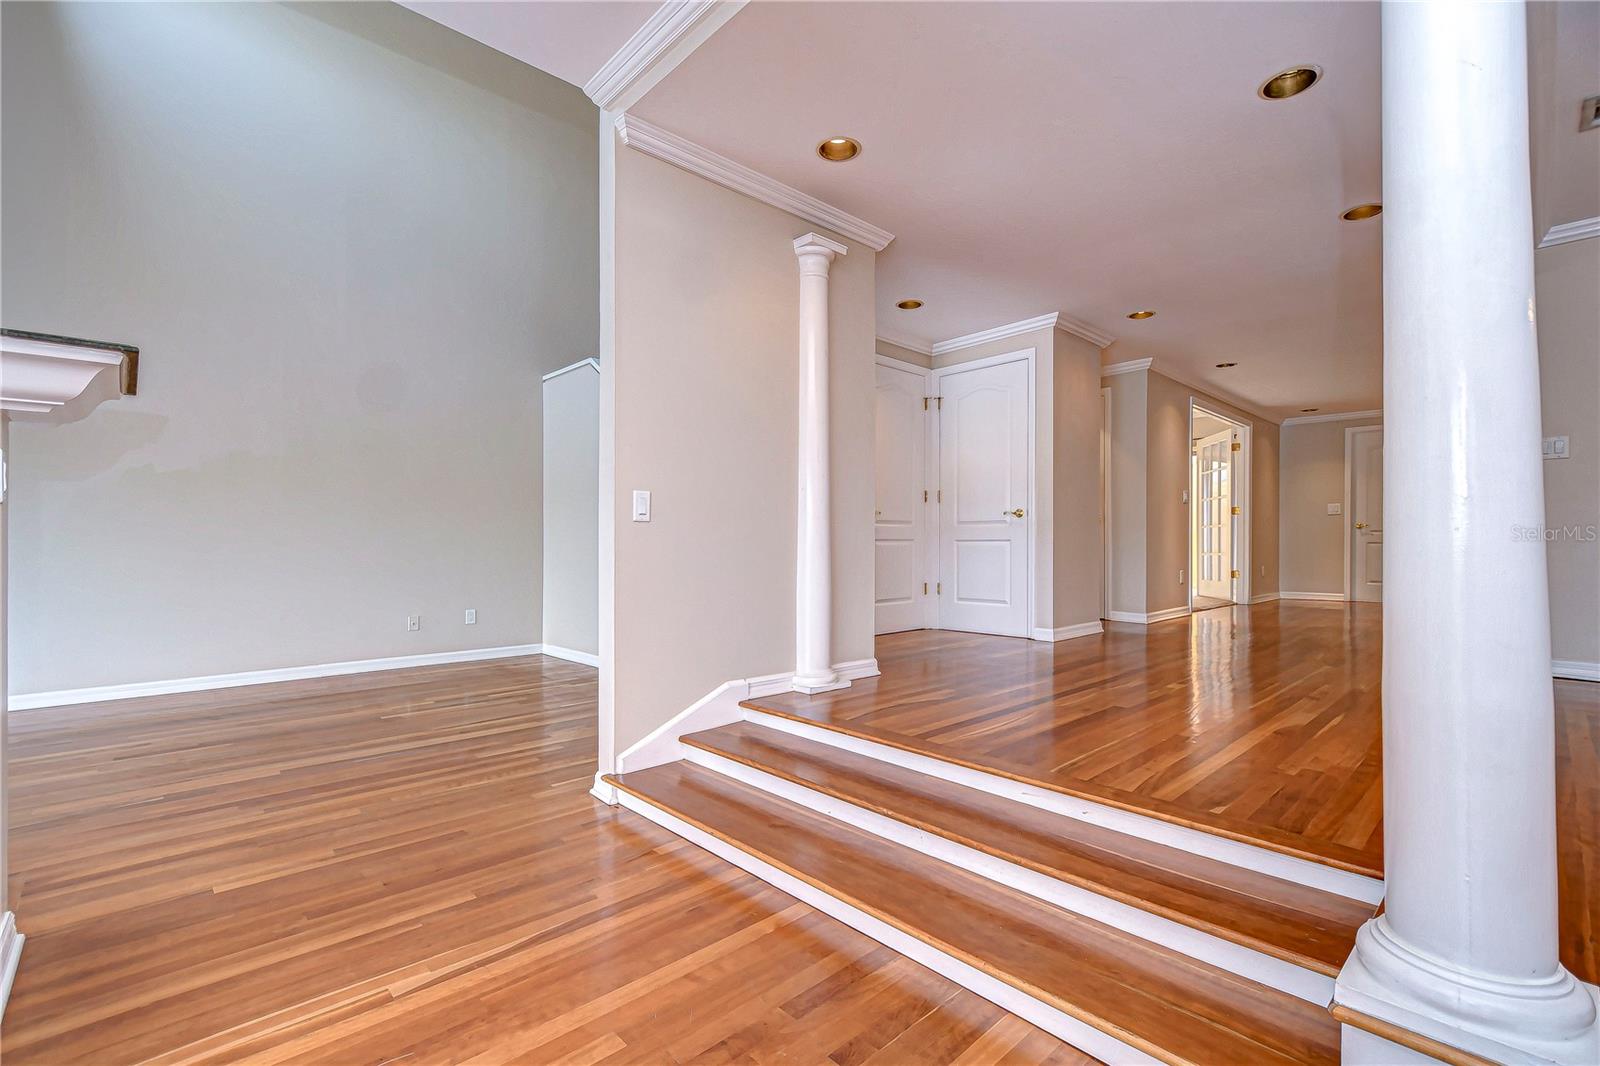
<point>1233,573</point>
<point>924,403</point>
<point>938,588</point>
<point>924,495</point>
<point>1237,511</point>
<point>939,496</point>
<point>1234,446</point>
<point>924,588</point>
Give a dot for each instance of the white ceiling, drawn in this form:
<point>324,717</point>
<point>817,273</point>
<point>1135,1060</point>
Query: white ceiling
<point>571,40</point>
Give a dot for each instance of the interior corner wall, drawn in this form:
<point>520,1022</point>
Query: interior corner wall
<point>904,354</point>
<point>349,242</point>
<point>1312,477</point>
<point>1129,445</point>
<point>1077,568</point>
<point>705,370</point>
<point>1566,279</point>
<point>571,510</point>
<point>1167,478</point>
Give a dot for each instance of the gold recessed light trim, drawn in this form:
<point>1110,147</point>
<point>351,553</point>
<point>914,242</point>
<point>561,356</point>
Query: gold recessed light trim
<point>1140,316</point>
<point>1224,366</point>
<point>1287,83</point>
<point>909,305</point>
<point>839,149</point>
<point>1362,211</point>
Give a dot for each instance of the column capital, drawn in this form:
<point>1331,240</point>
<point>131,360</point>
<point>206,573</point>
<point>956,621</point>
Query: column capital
<point>817,244</point>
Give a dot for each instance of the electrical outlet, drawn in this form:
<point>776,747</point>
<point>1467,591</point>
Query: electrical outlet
<point>1180,577</point>
<point>472,616</point>
<point>1263,569</point>
<point>413,623</point>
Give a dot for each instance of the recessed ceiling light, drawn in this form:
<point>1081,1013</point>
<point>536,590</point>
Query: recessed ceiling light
<point>1309,410</point>
<point>839,149</point>
<point>1291,82</point>
<point>1224,366</point>
<point>1361,211</point>
<point>1139,316</point>
<point>909,305</point>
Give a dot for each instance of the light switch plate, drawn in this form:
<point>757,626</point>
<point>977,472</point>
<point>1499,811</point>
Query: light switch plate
<point>1557,448</point>
<point>641,505</point>
<point>1336,508</point>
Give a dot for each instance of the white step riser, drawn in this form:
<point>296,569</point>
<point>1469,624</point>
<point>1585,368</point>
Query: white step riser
<point>1246,962</point>
<point>1079,1034</point>
<point>1223,849</point>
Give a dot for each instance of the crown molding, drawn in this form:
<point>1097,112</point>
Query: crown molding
<point>44,374</point>
<point>667,38</point>
<point>1130,366</point>
<point>1568,232</point>
<point>1217,394</point>
<point>1347,416</point>
<point>592,364</point>
<point>1011,329</point>
<point>669,147</point>
<point>1079,328</point>
<point>920,347</point>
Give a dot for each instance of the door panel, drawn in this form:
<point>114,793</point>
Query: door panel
<point>900,528</point>
<point>983,461</point>
<point>1213,507</point>
<point>1366,517</point>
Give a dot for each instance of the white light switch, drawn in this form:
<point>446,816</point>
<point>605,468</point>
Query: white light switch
<point>1336,508</point>
<point>641,505</point>
<point>1557,448</point>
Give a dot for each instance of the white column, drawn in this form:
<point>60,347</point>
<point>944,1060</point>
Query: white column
<point>813,600</point>
<point>1466,949</point>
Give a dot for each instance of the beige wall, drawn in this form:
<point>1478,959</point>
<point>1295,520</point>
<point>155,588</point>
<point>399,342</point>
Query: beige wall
<point>349,242</point>
<point>905,355</point>
<point>1129,445</point>
<point>705,374</point>
<point>572,510</point>
<point>1312,555</point>
<point>1567,277</point>
<point>5,599</point>
<point>1078,568</point>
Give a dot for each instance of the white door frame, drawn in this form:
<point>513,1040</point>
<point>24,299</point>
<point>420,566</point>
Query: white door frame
<point>928,564</point>
<point>937,376</point>
<point>1349,497</point>
<point>1241,540</point>
<point>1105,501</point>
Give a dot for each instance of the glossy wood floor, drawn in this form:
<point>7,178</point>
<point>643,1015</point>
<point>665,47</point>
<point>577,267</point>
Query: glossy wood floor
<point>408,868</point>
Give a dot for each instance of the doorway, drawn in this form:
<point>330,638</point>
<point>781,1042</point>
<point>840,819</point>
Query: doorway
<point>901,551</point>
<point>1217,497</point>
<point>1363,509</point>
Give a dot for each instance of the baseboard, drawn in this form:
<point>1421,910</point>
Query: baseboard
<point>1572,670</point>
<point>1331,597</point>
<point>1146,619</point>
<point>66,697</point>
<point>571,655</point>
<point>10,956</point>
<point>1082,629</point>
<point>1265,597</point>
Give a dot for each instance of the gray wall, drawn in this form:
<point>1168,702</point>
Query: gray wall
<point>349,242</point>
<point>572,510</point>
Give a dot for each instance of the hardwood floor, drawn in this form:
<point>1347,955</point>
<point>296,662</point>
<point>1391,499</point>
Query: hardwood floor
<point>1578,824</point>
<point>407,867</point>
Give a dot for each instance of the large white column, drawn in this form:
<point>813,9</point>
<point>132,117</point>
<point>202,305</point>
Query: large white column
<point>1466,949</point>
<point>813,601</point>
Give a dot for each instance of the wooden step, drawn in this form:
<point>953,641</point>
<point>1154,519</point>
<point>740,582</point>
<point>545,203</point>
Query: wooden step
<point>1303,926</point>
<point>1165,1005</point>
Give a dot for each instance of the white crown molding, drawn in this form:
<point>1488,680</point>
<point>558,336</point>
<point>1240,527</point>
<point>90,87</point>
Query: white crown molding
<point>1129,366</point>
<point>1011,329</point>
<point>920,347</point>
<point>680,152</point>
<point>1347,416</point>
<point>592,364</point>
<point>1217,394</point>
<point>667,38</point>
<point>1079,328</point>
<point>42,374</point>
<point>1568,232</point>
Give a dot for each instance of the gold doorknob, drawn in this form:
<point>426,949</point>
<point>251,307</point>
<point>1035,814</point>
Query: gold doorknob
<point>1361,525</point>
<point>1014,514</point>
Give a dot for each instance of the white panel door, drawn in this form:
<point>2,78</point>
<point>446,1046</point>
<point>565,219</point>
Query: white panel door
<point>1366,506</point>
<point>900,530</point>
<point>983,475</point>
<point>1213,516</point>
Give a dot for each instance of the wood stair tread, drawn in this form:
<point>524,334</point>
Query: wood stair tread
<point>1338,856</point>
<point>1172,1007</point>
<point>1298,924</point>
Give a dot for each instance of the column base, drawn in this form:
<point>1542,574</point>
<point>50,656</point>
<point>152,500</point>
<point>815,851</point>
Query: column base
<point>1556,1019</point>
<point>819,682</point>
<point>603,790</point>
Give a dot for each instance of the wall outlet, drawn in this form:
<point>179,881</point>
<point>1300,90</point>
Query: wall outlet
<point>1557,447</point>
<point>1180,577</point>
<point>413,623</point>
<point>1336,508</point>
<point>1263,569</point>
<point>472,616</point>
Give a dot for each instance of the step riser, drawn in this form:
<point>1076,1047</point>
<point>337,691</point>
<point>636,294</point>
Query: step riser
<point>1223,849</point>
<point>1058,1023</point>
<point>1246,962</point>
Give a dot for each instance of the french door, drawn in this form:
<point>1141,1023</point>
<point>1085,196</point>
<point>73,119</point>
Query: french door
<point>1213,515</point>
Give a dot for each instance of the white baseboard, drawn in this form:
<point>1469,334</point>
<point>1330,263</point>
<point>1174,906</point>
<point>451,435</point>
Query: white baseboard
<point>1574,670</point>
<point>1265,597</point>
<point>1146,619</point>
<point>1331,597</point>
<point>571,655</point>
<point>65,697</point>
<point>10,956</point>
<point>1082,629</point>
